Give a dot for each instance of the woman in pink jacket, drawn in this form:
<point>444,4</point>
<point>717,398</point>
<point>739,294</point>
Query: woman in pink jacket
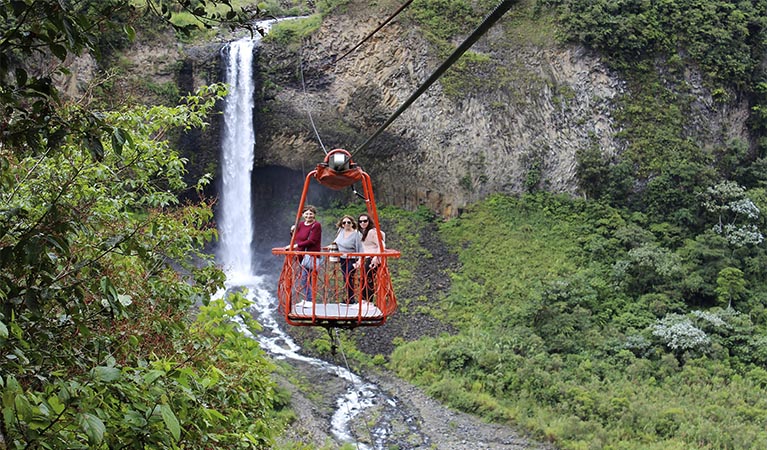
<point>370,244</point>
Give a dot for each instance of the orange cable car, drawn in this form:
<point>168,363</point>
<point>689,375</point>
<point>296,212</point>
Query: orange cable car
<point>316,295</point>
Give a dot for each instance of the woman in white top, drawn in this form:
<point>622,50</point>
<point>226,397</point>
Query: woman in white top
<point>370,244</point>
<point>348,240</point>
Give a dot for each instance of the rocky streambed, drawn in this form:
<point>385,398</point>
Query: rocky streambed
<point>412,419</point>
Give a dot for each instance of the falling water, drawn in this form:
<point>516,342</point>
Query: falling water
<point>236,215</point>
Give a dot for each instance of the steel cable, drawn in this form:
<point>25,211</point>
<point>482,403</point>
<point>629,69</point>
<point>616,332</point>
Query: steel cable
<point>489,21</point>
<point>308,111</point>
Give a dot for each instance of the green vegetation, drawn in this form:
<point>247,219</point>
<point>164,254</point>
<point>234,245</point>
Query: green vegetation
<point>719,35</point>
<point>444,19</point>
<point>653,45</point>
<point>99,350</point>
<point>110,335</point>
<point>290,33</point>
<point>578,323</point>
<point>295,30</point>
<point>204,14</point>
<point>468,74</point>
<point>166,91</point>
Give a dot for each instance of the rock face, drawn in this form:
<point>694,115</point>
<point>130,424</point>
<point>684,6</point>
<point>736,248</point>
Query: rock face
<point>510,123</point>
<point>513,124</point>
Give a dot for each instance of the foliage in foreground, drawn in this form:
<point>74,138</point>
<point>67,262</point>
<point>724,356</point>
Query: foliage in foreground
<point>100,268</point>
<point>577,322</point>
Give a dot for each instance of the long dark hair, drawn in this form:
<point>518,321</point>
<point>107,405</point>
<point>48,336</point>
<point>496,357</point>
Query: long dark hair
<point>371,225</point>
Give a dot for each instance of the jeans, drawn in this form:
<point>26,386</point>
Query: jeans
<point>306,284</point>
<point>347,269</point>
<point>368,280</point>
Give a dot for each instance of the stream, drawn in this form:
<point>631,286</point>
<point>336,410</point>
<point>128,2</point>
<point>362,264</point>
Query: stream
<point>360,406</point>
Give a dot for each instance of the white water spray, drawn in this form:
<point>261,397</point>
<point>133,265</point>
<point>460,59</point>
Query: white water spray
<point>236,216</point>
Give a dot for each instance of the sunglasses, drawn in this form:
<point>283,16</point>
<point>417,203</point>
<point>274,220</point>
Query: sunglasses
<point>363,220</point>
<point>346,222</point>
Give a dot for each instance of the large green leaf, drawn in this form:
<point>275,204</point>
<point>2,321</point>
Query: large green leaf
<point>55,404</point>
<point>93,427</point>
<point>107,374</point>
<point>170,421</point>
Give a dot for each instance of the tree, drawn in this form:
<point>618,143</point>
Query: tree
<point>679,334</point>
<point>736,215</point>
<point>648,268</point>
<point>37,38</point>
<point>99,266</point>
<point>730,285</point>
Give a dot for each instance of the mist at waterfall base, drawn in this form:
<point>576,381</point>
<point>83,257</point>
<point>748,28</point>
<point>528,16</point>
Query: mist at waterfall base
<point>255,212</point>
<point>276,193</point>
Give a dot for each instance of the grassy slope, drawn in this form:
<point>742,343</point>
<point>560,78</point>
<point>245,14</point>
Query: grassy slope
<point>596,394</point>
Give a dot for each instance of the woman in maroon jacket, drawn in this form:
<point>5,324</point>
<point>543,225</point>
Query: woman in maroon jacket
<point>308,239</point>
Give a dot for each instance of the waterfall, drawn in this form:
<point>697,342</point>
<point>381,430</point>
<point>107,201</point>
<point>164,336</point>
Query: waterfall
<point>235,225</point>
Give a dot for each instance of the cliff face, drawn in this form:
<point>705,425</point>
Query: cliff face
<point>511,123</point>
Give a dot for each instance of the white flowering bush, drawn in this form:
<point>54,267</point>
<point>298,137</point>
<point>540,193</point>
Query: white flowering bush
<point>719,197</point>
<point>679,333</point>
<point>741,235</point>
<point>712,319</point>
<point>736,214</point>
<point>744,207</point>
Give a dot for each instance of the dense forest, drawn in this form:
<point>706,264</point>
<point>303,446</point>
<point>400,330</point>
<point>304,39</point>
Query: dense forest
<point>632,317</point>
<point>110,333</point>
